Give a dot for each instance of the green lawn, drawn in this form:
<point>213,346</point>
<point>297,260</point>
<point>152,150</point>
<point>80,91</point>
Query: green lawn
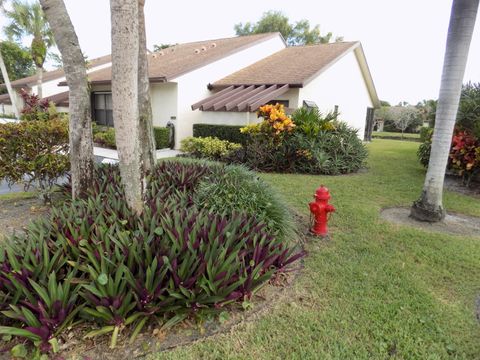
<point>376,290</point>
<point>396,135</point>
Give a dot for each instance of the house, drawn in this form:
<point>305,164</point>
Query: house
<point>332,77</point>
<point>50,88</point>
<point>224,81</point>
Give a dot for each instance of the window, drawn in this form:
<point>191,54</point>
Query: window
<point>102,109</point>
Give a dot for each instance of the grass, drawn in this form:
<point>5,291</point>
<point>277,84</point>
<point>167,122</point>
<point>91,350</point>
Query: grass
<point>396,136</point>
<point>375,290</point>
<point>17,196</point>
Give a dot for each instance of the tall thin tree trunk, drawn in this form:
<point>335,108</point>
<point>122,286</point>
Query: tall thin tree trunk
<point>80,125</point>
<point>125,50</point>
<point>147,141</point>
<point>39,82</point>
<point>6,80</point>
<point>462,22</point>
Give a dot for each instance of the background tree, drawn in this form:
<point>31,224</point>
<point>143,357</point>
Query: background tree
<point>429,207</point>
<point>6,77</point>
<point>468,117</point>
<point>162,46</point>
<point>18,62</point>
<point>299,33</point>
<point>147,141</point>
<point>427,109</point>
<point>27,19</point>
<point>404,117</point>
<point>80,124</point>
<point>125,54</point>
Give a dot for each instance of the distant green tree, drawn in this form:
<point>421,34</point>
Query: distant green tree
<point>162,46</point>
<point>18,62</point>
<point>427,110</point>
<point>468,116</point>
<point>27,19</point>
<point>299,33</point>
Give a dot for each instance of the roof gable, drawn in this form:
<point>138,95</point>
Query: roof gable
<point>296,66</point>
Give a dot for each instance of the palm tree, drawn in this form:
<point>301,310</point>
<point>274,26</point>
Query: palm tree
<point>27,19</point>
<point>125,51</point>
<point>6,78</point>
<point>462,22</point>
<point>80,123</point>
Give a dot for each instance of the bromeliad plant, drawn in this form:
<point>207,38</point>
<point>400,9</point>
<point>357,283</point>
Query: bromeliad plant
<point>95,261</point>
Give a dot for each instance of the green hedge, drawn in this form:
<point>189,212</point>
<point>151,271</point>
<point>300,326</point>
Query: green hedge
<point>105,136</point>
<point>223,132</point>
<point>162,137</point>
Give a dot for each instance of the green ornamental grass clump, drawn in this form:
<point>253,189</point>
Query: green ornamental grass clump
<point>94,261</point>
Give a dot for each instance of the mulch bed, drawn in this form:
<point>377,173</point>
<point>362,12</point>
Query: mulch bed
<point>16,214</point>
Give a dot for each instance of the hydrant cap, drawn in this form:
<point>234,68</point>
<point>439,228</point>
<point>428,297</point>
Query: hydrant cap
<point>322,193</point>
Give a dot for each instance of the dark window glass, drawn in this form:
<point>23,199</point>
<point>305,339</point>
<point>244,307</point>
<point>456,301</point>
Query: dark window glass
<point>103,109</point>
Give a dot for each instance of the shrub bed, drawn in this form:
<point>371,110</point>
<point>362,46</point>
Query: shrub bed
<point>306,142</point>
<point>113,269</point>
<point>230,133</point>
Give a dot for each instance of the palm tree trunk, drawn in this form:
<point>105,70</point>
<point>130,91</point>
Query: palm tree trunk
<point>6,80</point>
<point>147,141</point>
<point>125,50</point>
<point>39,82</point>
<point>462,22</point>
<point>80,125</point>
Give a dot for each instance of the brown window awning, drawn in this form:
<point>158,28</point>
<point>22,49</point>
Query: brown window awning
<point>241,98</point>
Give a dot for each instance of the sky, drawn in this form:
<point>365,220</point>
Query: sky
<point>404,41</point>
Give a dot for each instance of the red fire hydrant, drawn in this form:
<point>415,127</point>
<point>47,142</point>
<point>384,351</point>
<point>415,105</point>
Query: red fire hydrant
<point>320,208</point>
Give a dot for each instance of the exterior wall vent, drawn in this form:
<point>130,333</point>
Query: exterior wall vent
<point>213,45</point>
<point>197,51</point>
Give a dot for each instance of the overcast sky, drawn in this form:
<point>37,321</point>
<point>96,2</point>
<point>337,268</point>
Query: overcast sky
<point>404,41</point>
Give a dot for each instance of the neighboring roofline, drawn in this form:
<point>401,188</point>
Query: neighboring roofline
<point>268,36</point>
<point>29,81</point>
<point>367,76</point>
<point>153,80</point>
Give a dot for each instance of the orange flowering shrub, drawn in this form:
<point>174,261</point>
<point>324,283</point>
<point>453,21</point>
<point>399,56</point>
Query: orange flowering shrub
<point>275,121</point>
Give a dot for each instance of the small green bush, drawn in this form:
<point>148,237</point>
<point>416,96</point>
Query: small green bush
<point>162,137</point>
<point>235,188</point>
<point>223,132</point>
<point>105,137</point>
<point>34,153</point>
<point>208,147</point>
<point>425,133</point>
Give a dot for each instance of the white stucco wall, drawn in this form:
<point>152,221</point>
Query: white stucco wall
<point>342,84</point>
<point>192,87</point>
<point>164,103</point>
